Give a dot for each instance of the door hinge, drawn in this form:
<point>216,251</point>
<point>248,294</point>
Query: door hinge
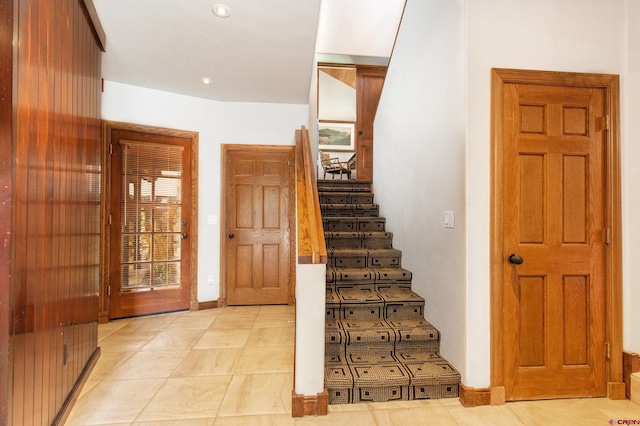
<point>607,236</point>
<point>109,220</point>
<point>606,122</point>
<point>109,290</point>
<point>607,348</point>
<point>110,149</point>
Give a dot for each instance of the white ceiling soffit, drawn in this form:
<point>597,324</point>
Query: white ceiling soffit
<point>358,31</point>
<point>263,52</point>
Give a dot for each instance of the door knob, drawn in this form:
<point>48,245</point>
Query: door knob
<point>515,259</point>
<point>231,235</point>
<point>184,236</point>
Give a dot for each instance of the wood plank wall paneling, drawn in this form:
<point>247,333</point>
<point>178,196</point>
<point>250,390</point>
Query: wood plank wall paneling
<point>6,91</point>
<point>55,230</point>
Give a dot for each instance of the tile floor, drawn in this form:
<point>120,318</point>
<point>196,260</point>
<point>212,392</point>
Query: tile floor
<point>234,366</point>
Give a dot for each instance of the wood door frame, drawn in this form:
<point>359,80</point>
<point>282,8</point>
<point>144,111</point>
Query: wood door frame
<point>226,148</point>
<point>613,251</point>
<point>105,244</point>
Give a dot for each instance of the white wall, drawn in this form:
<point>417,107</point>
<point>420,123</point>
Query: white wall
<point>432,76</point>
<point>217,123</point>
<point>336,100</point>
<point>419,160</point>
<point>543,35</point>
<point>631,177</point>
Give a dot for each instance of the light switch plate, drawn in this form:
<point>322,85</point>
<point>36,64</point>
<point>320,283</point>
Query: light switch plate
<point>449,219</point>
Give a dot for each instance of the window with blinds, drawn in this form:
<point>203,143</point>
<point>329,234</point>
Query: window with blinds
<point>151,212</point>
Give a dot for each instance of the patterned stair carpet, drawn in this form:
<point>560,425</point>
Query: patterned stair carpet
<point>378,345</point>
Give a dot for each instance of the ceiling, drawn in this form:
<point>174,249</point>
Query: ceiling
<point>263,52</point>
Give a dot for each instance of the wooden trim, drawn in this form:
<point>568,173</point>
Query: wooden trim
<point>309,405</point>
<point>497,395</point>
<point>630,365</point>
<point>312,248</point>
<point>7,87</point>
<point>105,246</point>
<point>225,149</point>
<point>90,12</point>
<point>615,390</point>
<point>496,232</point>
<point>213,304</point>
<point>64,412</point>
<point>474,397</point>
<point>613,219</point>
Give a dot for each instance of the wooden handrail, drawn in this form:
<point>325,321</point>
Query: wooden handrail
<point>311,245</point>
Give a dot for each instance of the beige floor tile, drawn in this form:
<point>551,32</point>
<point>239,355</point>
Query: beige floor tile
<point>484,415</point>
<point>621,409</point>
<point>435,415</point>
<point>345,418</point>
<point>423,403</point>
<point>258,394</point>
<point>223,339</point>
<point>180,422</point>
<point>240,310</point>
<point>265,420</point>
<point>277,309</point>
<point>115,324</point>
<point>152,323</point>
<point>148,364</point>
<point>209,362</point>
<point>275,320</point>
<point>107,362</point>
<point>193,321</point>
<point>104,333</point>
<point>561,411</point>
<point>233,321</point>
<point>116,401</point>
<point>271,336</point>
<point>187,398</point>
<point>635,388</point>
<point>199,382</point>
<point>174,339</point>
<point>265,359</point>
<point>126,341</point>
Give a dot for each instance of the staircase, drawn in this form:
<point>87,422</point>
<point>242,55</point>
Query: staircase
<point>378,346</point>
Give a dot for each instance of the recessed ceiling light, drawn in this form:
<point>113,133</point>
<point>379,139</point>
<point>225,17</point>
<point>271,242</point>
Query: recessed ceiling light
<point>221,11</point>
<point>206,81</point>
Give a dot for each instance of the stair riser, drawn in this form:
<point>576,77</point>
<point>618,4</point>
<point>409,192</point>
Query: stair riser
<point>358,224</point>
<point>345,198</point>
<point>355,240</point>
<point>364,261</point>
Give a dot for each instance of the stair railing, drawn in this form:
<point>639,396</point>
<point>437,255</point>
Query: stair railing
<point>311,244</point>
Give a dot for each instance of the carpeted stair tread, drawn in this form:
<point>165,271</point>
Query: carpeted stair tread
<point>353,274</point>
<point>378,345</point>
<point>363,258</point>
<point>367,379</point>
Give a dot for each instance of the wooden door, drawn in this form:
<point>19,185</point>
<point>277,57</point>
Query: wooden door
<point>150,223</point>
<point>369,88</point>
<point>258,196</point>
<point>554,140</point>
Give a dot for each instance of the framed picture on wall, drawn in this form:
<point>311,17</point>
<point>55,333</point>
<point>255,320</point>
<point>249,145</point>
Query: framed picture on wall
<point>333,136</point>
